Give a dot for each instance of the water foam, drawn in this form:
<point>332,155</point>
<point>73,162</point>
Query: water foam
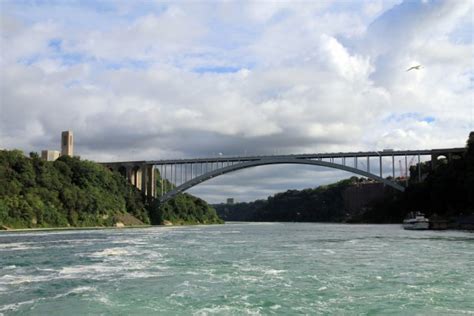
<point>18,246</point>
<point>92,270</point>
<point>10,267</point>
<point>110,252</point>
<point>227,310</point>
<point>274,272</point>
<point>15,306</point>
<point>9,279</point>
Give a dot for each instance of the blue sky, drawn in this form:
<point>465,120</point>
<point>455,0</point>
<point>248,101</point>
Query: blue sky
<point>153,79</point>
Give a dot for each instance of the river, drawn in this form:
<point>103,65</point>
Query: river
<point>238,268</point>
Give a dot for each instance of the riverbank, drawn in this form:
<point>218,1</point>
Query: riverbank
<point>45,229</point>
<point>167,224</point>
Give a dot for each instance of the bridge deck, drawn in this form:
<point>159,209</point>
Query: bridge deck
<point>383,153</point>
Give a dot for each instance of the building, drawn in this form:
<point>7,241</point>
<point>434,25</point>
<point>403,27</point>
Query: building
<point>230,201</point>
<point>67,145</point>
<point>50,155</point>
<point>67,148</point>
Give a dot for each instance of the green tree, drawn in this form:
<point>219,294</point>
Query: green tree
<point>72,192</point>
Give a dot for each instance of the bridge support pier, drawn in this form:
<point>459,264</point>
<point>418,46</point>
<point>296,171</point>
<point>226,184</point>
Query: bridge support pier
<point>434,160</point>
<point>141,176</point>
<point>132,176</point>
<point>138,178</point>
<point>151,183</point>
<point>147,183</point>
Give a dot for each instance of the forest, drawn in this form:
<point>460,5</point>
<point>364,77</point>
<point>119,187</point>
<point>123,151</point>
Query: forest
<point>447,190</point>
<point>70,192</point>
<point>321,204</point>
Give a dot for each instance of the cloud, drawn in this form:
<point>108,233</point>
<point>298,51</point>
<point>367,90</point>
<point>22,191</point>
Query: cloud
<point>153,80</point>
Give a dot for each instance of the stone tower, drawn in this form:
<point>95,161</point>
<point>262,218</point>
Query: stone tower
<point>67,147</point>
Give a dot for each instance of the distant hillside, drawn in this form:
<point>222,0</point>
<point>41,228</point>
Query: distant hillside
<point>70,192</point>
<point>337,202</point>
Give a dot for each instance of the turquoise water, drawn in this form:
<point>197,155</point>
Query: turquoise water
<point>235,269</point>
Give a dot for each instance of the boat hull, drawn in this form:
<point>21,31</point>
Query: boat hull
<point>416,226</point>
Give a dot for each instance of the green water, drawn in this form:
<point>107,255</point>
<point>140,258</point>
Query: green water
<point>237,269</point>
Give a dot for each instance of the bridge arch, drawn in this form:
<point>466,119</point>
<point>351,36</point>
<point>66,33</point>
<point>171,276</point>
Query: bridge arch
<point>275,161</point>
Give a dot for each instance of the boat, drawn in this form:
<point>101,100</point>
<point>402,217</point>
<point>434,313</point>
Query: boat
<point>416,221</point>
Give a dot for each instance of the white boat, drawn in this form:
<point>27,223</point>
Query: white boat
<point>416,221</point>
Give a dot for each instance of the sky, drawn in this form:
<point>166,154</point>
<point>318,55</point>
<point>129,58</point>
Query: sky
<point>146,80</point>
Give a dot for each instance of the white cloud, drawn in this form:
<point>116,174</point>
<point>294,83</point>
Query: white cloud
<point>154,80</point>
<point>352,68</point>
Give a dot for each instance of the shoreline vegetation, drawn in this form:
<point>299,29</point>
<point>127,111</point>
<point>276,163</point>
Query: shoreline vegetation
<point>69,192</point>
<point>170,226</point>
<point>46,229</point>
<point>52,229</point>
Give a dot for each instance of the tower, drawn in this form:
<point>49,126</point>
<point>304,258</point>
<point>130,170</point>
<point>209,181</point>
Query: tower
<point>67,147</point>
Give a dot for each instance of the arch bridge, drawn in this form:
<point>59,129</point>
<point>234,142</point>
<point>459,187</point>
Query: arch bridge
<point>183,174</point>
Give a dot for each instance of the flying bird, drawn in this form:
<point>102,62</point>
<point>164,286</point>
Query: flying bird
<point>417,67</point>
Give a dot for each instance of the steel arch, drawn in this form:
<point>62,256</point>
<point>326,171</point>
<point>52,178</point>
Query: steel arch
<point>273,161</point>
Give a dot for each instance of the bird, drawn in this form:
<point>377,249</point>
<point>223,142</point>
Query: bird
<point>417,67</point>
